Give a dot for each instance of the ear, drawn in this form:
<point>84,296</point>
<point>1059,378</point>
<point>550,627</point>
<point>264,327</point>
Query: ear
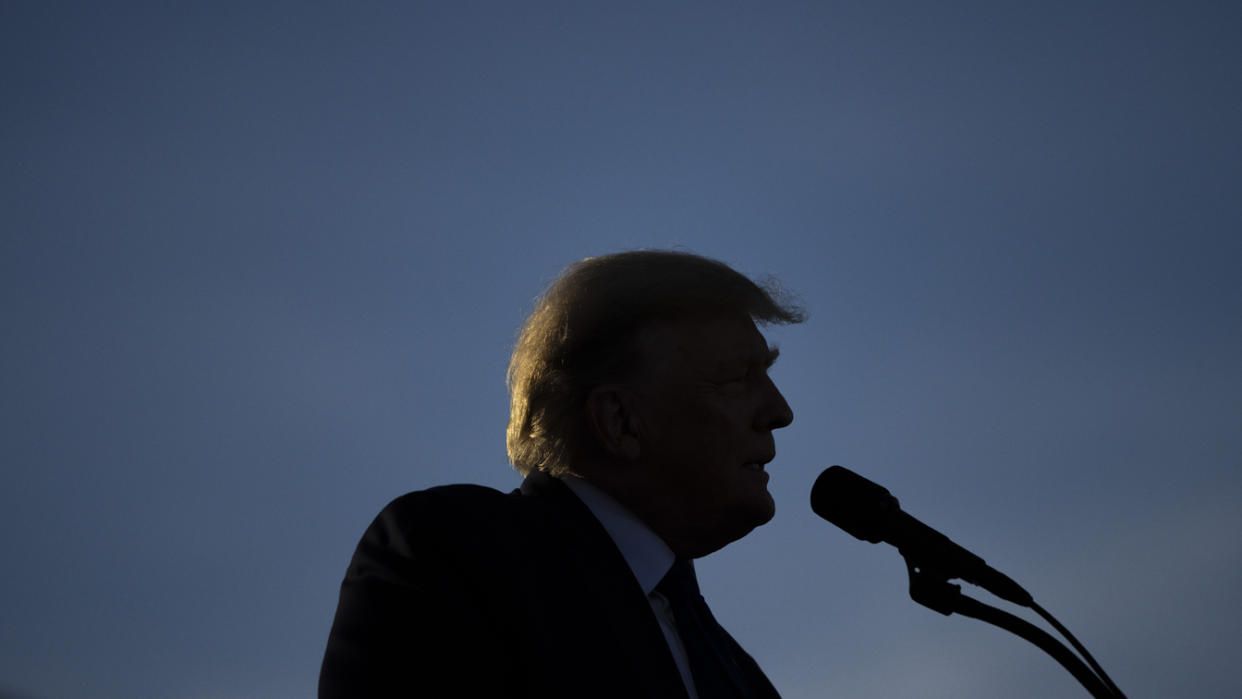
<point>614,421</point>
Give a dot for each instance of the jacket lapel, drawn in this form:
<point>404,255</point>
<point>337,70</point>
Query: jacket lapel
<point>605,582</point>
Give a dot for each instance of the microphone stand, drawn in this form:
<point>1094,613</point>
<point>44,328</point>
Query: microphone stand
<point>933,590</point>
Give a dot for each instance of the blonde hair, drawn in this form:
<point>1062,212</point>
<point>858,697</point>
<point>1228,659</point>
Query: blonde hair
<point>582,330</point>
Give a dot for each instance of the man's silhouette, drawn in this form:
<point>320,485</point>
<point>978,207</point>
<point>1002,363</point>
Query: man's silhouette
<point>641,417</point>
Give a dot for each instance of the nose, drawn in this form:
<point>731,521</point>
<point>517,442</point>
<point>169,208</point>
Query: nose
<point>775,412</point>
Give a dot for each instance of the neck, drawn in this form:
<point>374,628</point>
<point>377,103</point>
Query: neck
<point>685,535</point>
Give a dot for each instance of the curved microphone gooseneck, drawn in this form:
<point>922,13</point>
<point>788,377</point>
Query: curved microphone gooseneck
<point>869,512</point>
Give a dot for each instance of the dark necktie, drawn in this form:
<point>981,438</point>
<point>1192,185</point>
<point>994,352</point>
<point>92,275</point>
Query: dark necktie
<point>721,669</point>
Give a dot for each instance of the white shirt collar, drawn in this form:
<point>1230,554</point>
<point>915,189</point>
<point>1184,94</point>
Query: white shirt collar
<point>646,553</point>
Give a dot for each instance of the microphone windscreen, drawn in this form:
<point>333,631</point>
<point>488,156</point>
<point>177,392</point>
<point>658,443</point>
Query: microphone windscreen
<point>862,508</point>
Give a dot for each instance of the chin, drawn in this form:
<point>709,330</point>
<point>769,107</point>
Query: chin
<point>766,510</point>
<point>754,512</point>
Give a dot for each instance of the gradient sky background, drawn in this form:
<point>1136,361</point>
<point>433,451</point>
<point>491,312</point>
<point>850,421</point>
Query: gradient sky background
<point>263,263</point>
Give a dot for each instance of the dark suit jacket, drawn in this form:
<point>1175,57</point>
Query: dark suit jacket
<point>464,591</point>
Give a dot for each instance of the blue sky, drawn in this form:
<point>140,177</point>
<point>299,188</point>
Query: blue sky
<point>263,264</point>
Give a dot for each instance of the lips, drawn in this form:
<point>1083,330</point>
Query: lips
<point>756,465</point>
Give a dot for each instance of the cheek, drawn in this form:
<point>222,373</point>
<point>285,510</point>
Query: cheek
<point>708,428</point>
<point>700,436</point>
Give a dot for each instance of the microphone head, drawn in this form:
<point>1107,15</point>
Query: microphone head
<point>862,508</point>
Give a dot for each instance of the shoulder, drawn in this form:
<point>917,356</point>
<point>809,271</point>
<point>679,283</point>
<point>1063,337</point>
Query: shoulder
<point>419,602</point>
<point>447,512</point>
<point>478,530</point>
<point>448,501</point>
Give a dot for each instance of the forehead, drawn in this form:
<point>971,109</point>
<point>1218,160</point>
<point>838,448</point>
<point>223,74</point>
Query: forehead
<point>702,344</point>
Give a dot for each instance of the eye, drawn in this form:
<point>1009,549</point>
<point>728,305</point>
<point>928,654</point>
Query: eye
<point>736,380</point>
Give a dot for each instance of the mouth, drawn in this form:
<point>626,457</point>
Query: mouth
<point>755,465</point>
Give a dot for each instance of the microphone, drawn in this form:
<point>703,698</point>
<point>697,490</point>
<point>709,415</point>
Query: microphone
<point>869,512</point>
